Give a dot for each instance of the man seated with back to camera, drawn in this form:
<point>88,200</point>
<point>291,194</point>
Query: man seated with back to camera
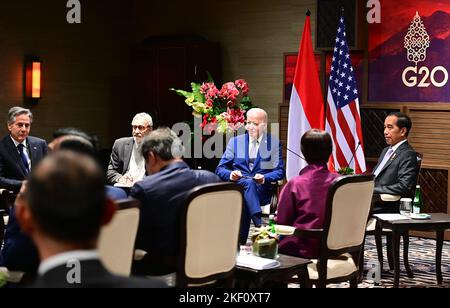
<point>62,208</point>
<point>303,199</point>
<point>162,194</point>
<point>19,253</point>
<point>397,169</point>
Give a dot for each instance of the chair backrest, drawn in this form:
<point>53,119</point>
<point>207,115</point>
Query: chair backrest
<point>116,241</point>
<point>210,223</point>
<point>348,207</point>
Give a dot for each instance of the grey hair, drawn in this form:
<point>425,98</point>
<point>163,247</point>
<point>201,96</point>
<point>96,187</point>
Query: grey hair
<point>143,116</point>
<point>164,143</point>
<point>258,110</point>
<point>16,111</point>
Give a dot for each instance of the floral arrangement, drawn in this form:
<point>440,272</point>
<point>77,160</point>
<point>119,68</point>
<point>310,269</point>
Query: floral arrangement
<point>264,232</point>
<point>265,242</point>
<point>221,110</point>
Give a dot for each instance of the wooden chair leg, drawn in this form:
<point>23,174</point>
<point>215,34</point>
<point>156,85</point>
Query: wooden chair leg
<point>303,278</point>
<point>439,244</point>
<point>354,282</point>
<point>379,245</point>
<point>405,254</point>
<point>361,261</point>
<point>389,251</point>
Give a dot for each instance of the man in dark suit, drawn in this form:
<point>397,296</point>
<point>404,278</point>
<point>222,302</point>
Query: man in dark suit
<point>162,194</point>
<point>126,165</point>
<point>397,168</point>
<point>62,208</point>
<point>19,253</point>
<point>253,160</point>
<point>19,152</point>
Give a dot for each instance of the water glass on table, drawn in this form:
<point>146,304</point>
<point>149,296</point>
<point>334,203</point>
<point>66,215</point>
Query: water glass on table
<point>406,206</point>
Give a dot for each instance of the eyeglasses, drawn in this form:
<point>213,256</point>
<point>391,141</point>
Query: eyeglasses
<point>140,127</point>
<point>252,123</point>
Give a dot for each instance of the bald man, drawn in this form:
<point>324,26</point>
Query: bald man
<point>253,160</point>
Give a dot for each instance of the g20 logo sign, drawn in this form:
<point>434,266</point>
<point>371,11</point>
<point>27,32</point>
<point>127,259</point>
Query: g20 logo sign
<point>416,43</point>
<point>424,78</point>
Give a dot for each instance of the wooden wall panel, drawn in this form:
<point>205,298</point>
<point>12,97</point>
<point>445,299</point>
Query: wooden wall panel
<point>431,135</point>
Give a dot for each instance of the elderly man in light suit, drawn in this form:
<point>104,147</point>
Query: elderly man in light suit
<point>127,165</point>
<point>253,160</point>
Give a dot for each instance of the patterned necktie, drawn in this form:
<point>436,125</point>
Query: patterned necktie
<point>383,162</point>
<point>252,154</point>
<point>23,156</point>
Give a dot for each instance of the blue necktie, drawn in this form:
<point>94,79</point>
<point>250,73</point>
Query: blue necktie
<point>23,157</point>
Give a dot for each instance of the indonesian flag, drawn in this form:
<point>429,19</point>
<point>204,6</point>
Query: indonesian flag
<point>306,106</point>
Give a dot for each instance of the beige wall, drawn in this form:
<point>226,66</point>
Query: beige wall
<point>84,65</point>
<point>253,36</point>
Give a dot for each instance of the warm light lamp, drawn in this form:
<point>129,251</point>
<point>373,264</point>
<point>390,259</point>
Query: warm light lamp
<point>33,79</point>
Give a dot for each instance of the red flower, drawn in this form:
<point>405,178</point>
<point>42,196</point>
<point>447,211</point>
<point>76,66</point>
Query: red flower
<point>243,85</point>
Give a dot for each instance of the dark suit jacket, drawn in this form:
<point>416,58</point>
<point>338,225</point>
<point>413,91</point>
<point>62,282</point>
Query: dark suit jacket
<point>162,194</point>
<point>399,174</point>
<point>19,253</point>
<point>12,170</point>
<point>93,275</point>
<point>120,159</point>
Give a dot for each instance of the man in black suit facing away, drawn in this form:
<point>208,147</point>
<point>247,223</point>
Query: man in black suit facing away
<point>19,152</point>
<point>397,168</point>
<point>62,208</point>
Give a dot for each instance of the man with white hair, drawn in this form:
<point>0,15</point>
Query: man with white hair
<point>127,165</point>
<point>253,160</point>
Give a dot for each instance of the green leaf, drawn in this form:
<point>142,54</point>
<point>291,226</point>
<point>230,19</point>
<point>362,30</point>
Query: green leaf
<point>181,92</point>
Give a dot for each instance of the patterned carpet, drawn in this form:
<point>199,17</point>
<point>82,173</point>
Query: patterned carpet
<point>421,260</point>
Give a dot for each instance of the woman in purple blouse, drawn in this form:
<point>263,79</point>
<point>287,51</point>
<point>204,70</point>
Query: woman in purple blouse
<point>303,199</point>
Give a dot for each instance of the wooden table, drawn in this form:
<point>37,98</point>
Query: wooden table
<point>439,222</point>
<point>289,267</point>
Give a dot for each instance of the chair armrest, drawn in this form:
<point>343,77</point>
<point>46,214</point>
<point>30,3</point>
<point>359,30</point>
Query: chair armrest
<point>284,230</point>
<point>389,198</point>
<point>139,254</point>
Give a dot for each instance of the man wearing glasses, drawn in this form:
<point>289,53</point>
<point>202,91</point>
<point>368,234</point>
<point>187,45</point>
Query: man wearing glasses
<point>127,165</point>
<point>253,160</point>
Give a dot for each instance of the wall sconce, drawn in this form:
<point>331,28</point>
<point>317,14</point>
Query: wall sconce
<point>33,67</point>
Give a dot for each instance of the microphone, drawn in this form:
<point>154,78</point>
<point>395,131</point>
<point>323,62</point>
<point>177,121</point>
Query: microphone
<point>353,155</point>
<point>296,154</point>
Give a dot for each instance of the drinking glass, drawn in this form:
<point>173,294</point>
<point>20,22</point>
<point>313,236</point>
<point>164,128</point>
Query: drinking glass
<point>405,206</point>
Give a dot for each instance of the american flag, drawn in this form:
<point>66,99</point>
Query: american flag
<point>343,121</point>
